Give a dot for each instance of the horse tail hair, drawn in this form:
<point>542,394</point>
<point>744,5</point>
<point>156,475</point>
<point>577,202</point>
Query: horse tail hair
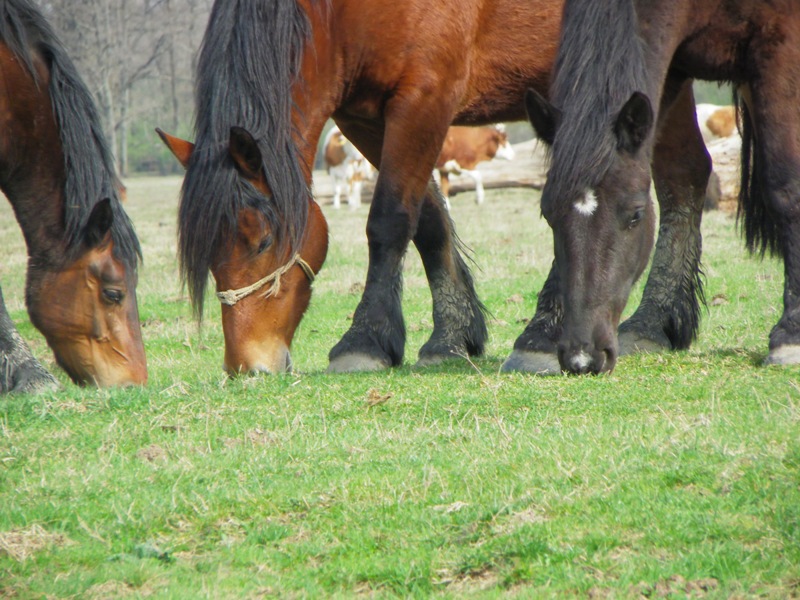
<point>760,225</point>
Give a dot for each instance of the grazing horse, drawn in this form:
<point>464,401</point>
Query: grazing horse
<point>464,148</point>
<point>346,166</point>
<point>394,76</point>
<point>621,101</point>
<point>59,176</point>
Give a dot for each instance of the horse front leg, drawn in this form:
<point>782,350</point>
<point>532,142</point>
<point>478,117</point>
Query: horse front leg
<point>459,324</point>
<point>668,316</point>
<point>406,150</point>
<point>19,370</point>
<point>536,349</point>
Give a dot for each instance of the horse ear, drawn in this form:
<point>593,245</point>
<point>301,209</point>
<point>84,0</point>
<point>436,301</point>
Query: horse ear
<point>98,228</point>
<point>180,148</point>
<point>245,152</point>
<point>633,123</point>
<point>543,116</point>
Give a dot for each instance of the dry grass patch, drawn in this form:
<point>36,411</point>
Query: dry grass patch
<point>22,544</point>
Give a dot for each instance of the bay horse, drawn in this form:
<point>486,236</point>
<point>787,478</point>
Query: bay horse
<point>393,76</point>
<point>621,101</point>
<point>464,148</point>
<point>347,167</point>
<point>59,176</point>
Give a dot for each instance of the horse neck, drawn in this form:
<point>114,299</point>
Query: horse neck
<point>316,92</point>
<point>32,171</point>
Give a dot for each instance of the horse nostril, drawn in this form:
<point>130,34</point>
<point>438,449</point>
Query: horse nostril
<point>610,359</point>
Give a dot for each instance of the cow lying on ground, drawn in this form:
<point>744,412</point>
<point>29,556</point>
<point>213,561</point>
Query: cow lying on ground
<point>464,148</point>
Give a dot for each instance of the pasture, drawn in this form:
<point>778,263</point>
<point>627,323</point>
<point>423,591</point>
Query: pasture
<point>676,475</point>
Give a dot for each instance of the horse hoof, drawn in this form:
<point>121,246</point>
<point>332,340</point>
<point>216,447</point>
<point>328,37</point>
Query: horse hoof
<point>356,363</point>
<point>539,363</point>
<point>784,355</point>
<point>33,379</point>
<point>630,343</point>
<point>431,360</point>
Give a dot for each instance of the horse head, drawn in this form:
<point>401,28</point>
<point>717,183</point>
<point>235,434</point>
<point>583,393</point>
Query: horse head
<point>603,226</point>
<point>263,284</point>
<point>86,308</point>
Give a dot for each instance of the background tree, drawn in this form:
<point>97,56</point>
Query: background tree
<point>137,57</point>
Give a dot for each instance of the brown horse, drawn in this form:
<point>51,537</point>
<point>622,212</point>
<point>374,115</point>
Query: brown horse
<point>464,148</point>
<point>621,101</point>
<point>393,75</point>
<point>58,175</point>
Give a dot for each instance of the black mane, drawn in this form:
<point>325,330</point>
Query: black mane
<point>249,59</point>
<point>89,165</point>
<point>600,63</point>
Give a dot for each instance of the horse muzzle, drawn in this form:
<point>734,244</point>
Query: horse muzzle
<point>583,359</point>
<point>258,359</point>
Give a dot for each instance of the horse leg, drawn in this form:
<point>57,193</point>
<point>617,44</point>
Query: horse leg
<point>770,200</point>
<point>19,370</point>
<point>668,316</point>
<point>536,349</point>
<point>459,324</point>
<point>376,337</point>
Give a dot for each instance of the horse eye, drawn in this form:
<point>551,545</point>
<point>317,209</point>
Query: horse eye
<point>265,244</point>
<point>113,296</point>
<point>637,216</point>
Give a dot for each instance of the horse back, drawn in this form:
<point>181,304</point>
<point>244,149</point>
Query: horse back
<point>481,56</point>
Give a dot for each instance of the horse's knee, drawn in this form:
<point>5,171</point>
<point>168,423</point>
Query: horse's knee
<point>391,227</point>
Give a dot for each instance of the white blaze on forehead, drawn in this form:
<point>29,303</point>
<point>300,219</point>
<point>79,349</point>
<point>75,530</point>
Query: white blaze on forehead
<point>588,204</point>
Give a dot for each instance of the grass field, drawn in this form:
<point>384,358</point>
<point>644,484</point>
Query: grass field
<point>678,475</point>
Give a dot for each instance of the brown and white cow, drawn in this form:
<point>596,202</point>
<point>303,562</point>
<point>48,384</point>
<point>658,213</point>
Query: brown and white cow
<point>347,166</point>
<point>464,148</point>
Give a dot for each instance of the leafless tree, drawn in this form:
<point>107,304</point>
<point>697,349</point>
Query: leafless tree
<point>137,57</point>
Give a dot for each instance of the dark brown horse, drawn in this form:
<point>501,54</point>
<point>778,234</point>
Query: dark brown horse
<point>393,75</point>
<point>59,176</point>
<point>621,102</point>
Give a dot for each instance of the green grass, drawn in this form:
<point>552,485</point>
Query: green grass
<point>677,475</point>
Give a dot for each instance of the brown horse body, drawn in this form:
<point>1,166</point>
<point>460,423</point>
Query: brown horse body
<point>59,178</point>
<point>464,148</point>
<point>383,71</point>
<point>621,102</point>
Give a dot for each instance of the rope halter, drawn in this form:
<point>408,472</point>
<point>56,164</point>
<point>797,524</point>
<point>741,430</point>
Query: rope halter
<point>231,297</point>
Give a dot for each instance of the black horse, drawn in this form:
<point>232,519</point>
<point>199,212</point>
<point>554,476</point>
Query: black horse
<point>622,104</point>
